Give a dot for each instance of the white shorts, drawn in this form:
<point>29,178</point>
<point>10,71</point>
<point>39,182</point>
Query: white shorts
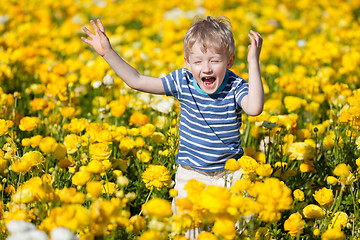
<point>221,178</point>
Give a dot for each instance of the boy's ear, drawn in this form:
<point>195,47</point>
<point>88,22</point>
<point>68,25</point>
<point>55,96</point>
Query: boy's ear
<point>231,61</point>
<point>187,63</point>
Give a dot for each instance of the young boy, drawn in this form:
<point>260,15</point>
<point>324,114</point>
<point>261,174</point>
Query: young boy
<point>211,96</point>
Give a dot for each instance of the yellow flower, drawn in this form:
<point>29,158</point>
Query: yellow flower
<point>273,106</point>
<point>143,155</point>
<point>313,211</point>
<point>158,138</point>
<point>157,207</point>
<point>28,160</point>
<point>150,234</point>
<point>330,140</point>
<point>70,195</point>
<point>194,188</point>
<point>299,195</point>
<point>109,188</point>
<point>241,186</point>
<point>358,162</point>
<point>99,151</point>
<point>126,144</point>
<point>244,205</point>
<point>173,192</point>
<point>272,69</point>
<point>23,196</point>
<point>35,140</point>
<point>206,236</point>
<point>332,180</point>
<point>307,166</point>
<point>104,136</point>
<point>293,103</point>
<point>274,196</point>
<point>81,178</point>
<point>67,111</point>
<point>48,145</point>
<point>147,130</point>
<point>225,228</point>
<point>324,196</point>
<point>232,165</point>
<point>339,221</point>
<point>139,142</point>
<point>342,170</point>
<point>248,164</point>
<point>333,234</point>
<point>4,126</point>
<point>264,170</point>
<point>76,125</point>
<point>294,224</point>
<point>73,216</point>
<point>60,151</point>
<point>29,123</point>
<point>72,141</point>
<point>301,151</point>
<point>156,176</point>
<point>95,166</point>
<point>137,223</point>
<point>215,199</point>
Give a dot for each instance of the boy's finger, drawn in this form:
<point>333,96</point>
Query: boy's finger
<point>88,32</point>
<point>258,39</point>
<point>101,26</point>
<point>86,40</point>
<point>93,24</point>
<point>252,39</point>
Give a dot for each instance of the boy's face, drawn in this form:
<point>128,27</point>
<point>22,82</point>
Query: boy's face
<point>208,68</point>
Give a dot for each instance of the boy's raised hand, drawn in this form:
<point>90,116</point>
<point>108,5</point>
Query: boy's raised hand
<point>255,46</point>
<point>100,42</point>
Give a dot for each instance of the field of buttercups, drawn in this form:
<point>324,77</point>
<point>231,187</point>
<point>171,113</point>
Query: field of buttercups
<point>82,156</point>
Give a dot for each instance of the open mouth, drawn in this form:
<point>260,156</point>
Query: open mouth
<point>208,81</point>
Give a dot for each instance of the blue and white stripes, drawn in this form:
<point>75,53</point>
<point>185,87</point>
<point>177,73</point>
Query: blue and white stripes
<point>209,125</point>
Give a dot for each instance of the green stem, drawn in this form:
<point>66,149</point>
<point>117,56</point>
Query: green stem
<point>147,198</point>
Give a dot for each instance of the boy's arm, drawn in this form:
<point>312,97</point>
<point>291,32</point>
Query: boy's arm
<point>253,103</point>
<point>101,44</point>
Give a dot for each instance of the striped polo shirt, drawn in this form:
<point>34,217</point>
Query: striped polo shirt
<point>210,123</point>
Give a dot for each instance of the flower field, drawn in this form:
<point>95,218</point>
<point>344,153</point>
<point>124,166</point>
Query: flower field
<point>83,156</point>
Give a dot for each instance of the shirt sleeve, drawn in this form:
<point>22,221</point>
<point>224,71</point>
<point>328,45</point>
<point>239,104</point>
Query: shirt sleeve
<point>172,83</point>
<point>242,89</point>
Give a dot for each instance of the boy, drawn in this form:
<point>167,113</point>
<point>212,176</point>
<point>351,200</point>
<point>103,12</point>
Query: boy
<point>211,96</point>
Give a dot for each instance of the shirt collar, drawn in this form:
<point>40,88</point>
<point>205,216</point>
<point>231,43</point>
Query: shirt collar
<point>222,86</point>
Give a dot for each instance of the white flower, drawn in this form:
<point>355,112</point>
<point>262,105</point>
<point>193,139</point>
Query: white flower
<point>30,235</point>
<point>22,230</point>
<point>357,142</point>
<point>108,80</point>
<point>62,233</point>
<point>18,226</point>
<point>301,43</point>
<point>97,84</point>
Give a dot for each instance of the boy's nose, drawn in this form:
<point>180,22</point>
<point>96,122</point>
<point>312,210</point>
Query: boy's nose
<point>206,67</point>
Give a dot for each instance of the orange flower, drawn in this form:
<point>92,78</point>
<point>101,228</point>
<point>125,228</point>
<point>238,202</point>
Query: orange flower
<point>39,104</point>
<point>138,118</point>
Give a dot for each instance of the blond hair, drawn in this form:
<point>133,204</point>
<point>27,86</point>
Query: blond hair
<point>210,33</point>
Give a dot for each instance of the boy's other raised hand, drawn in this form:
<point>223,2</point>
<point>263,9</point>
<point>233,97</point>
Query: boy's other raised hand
<point>99,41</point>
<point>255,46</point>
